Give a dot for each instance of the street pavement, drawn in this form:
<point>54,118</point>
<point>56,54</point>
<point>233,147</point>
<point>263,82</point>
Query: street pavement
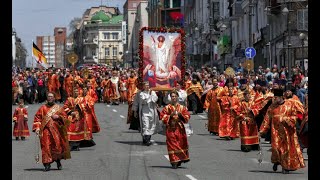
<point>120,155</point>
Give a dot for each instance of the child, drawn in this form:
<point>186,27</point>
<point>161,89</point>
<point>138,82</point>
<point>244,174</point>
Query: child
<point>172,77</point>
<point>20,119</point>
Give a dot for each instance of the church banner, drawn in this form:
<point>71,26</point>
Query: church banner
<point>161,57</point>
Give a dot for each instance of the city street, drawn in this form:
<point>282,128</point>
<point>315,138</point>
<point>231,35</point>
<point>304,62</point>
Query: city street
<point>120,155</point>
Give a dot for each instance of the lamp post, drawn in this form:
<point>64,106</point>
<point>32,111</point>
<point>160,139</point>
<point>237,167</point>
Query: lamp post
<point>111,49</point>
<point>285,12</point>
<point>302,37</point>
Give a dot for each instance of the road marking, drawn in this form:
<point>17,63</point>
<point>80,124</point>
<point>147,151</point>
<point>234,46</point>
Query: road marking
<point>114,110</point>
<point>167,156</point>
<point>122,116</point>
<point>256,160</point>
<point>190,177</point>
<point>202,116</point>
<point>108,105</point>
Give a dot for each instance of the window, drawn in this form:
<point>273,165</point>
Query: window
<point>302,19</point>
<point>107,51</point>
<point>106,35</point>
<point>115,35</point>
<point>115,51</point>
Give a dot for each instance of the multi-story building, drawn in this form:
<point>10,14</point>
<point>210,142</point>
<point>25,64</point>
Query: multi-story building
<point>60,35</point>
<point>129,16</point>
<point>202,33</point>
<point>48,47</point>
<point>278,31</point>
<point>165,13</point>
<point>141,21</point>
<point>99,36</point>
<point>53,47</point>
<point>19,52</point>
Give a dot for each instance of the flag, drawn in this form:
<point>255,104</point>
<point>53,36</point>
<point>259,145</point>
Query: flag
<point>39,56</point>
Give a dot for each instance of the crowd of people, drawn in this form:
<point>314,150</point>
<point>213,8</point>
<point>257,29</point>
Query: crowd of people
<point>241,105</point>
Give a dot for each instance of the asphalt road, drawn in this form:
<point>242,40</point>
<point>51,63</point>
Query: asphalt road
<point>120,155</point>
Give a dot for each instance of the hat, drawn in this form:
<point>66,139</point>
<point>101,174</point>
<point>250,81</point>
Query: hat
<point>243,81</point>
<point>278,92</point>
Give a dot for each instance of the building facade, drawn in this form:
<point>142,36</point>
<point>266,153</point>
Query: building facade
<point>19,52</point>
<point>165,13</point>
<point>202,35</point>
<point>99,37</point>
<point>130,15</point>
<point>60,35</point>
<point>53,47</point>
<point>48,47</point>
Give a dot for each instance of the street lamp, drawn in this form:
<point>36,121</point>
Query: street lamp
<point>223,27</point>
<point>111,50</point>
<point>285,11</point>
<point>302,37</point>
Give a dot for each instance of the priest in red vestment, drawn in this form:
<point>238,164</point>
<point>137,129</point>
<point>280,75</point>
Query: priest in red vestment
<point>174,116</point>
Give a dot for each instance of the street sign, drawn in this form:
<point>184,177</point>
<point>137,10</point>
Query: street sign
<point>250,52</point>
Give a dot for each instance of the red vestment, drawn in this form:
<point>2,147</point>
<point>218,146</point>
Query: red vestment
<point>131,88</point>
<point>285,146</point>
<point>177,144</point>
<point>54,85</point>
<point>68,85</point>
<point>20,117</point>
<point>214,110</point>
<point>228,126</point>
<point>90,115</point>
<point>53,133</point>
<point>106,93</point>
<point>77,130</point>
<point>130,103</point>
<point>304,134</point>
<point>249,128</point>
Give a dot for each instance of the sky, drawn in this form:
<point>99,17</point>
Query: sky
<point>31,18</point>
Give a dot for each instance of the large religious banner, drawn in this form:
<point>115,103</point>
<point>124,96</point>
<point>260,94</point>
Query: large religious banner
<point>162,57</point>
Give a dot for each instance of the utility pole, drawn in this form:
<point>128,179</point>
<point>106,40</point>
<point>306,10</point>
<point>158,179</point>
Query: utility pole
<point>210,28</point>
<point>250,23</point>
<point>289,44</point>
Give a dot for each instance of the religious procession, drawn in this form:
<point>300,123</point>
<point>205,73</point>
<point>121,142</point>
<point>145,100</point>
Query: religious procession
<point>239,106</point>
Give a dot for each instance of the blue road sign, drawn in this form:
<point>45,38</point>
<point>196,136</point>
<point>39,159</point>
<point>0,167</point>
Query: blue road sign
<point>250,52</point>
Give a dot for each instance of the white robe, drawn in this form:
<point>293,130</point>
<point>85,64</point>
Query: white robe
<point>148,115</point>
<point>162,59</point>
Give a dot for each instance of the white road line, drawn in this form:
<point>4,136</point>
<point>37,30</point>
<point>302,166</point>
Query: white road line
<point>202,116</point>
<point>108,105</point>
<point>167,156</point>
<point>122,116</point>
<point>256,160</point>
<point>190,177</point>
<point>114,110</point>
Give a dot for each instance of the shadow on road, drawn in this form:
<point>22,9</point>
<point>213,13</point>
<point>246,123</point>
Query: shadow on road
<point>138,142</point>
<point>130,132</point>
<point>272,172</point>
<point>236,150</point>
<point>40,169</point>
<point>166,167</point>
<point>204,134</point>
